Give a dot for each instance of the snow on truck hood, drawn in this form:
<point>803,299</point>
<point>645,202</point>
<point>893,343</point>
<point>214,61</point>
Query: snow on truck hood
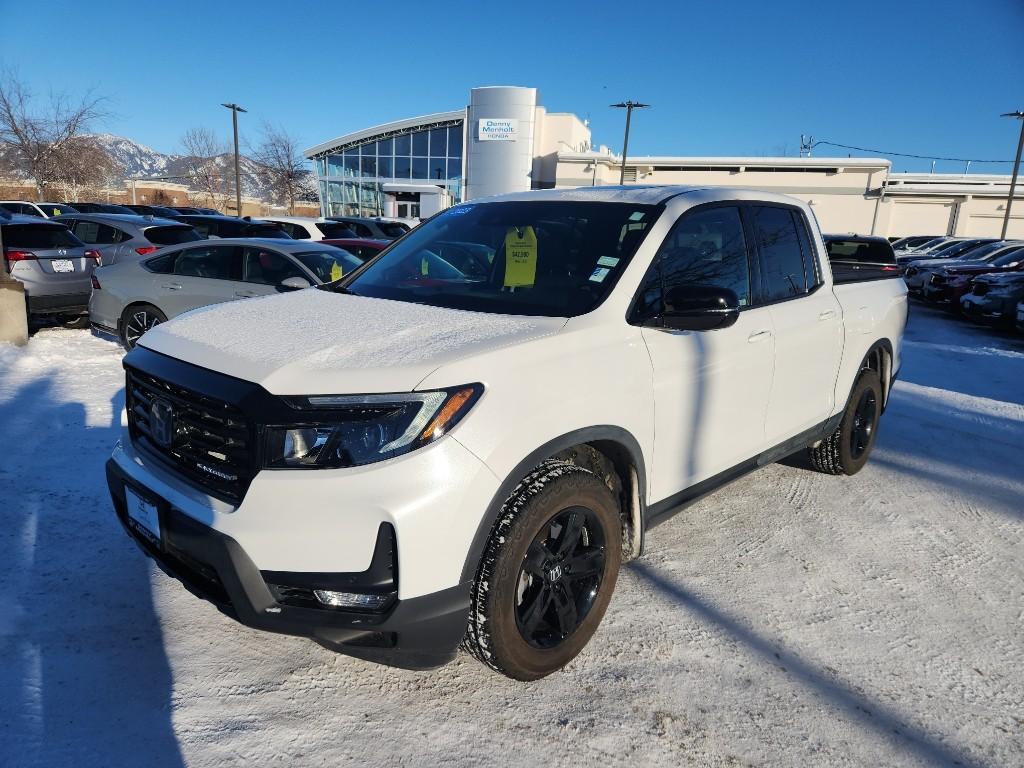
<point>317,342</point>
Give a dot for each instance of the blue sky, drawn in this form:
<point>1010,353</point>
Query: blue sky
<point>724,78</point>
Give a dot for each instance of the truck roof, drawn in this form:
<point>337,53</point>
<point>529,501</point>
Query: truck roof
<point>642,194</point>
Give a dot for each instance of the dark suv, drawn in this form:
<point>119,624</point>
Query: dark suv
<point>229,226</point>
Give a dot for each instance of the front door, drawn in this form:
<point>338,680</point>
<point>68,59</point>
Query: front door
<point>711,388</point>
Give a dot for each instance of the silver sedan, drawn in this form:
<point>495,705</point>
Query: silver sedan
<point>131,297</point>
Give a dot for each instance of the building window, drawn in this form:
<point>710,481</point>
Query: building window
<point>420,140</point>
<point>455,141</point>
<point>421,168</point>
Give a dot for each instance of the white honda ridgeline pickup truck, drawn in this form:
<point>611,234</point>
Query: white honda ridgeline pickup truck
<point>464,439</point>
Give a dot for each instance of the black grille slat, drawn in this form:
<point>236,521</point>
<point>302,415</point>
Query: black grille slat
<point>212,441</point>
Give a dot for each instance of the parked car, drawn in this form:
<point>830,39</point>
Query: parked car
<point>102,208</point>
<point>376,228</point>
<point>861,256</point>
<point>951,250</point>
<point>54,266</point>
<point>947,284</point>
<point>993,299</point>
<point>23,207</point>
<point>192,210</point>
<point>53,210</point>
<point>1020,317</point>
<point>228,226</point>
<point>310,228</point>
<point>918,273</point>
<point>131,297</point>
<point>127,236</point>
<point>363,249</point>
<point>154,210</point>
<point>914,241</point>
<point>406,460</point>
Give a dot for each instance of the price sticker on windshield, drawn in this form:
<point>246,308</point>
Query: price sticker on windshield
<point>520,257</point>
<point>336,272</point>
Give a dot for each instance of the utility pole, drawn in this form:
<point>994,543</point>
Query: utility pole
<point>235,109</point>
<point>1018,115</point>
<point>629,106</point>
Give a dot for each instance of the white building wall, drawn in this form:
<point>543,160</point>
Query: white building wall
<point>498,167</point>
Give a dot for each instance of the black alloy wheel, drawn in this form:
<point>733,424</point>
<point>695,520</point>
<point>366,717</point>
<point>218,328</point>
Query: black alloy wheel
<point>560,577</point>
<point>138,320</point>
<point>864,417</point>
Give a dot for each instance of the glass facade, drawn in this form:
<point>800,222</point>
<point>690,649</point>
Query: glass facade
<point>351,177</point>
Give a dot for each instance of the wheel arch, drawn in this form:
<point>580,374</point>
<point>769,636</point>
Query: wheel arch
<point>879,358</point>
<point>611,452</point>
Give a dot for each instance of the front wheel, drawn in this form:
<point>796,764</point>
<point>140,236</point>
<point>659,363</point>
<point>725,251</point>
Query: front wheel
<point>137,320</point>
<point>547,573</point>
<point>846,451</point>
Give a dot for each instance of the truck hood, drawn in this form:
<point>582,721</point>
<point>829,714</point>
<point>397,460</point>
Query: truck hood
<point>319,342</point>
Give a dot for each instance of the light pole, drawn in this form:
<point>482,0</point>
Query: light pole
<point>1018,115</point>
<point>235,109</point>
<point>629,106</point>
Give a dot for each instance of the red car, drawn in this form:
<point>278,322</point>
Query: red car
<point>362,248</point>
<point>949,283</point>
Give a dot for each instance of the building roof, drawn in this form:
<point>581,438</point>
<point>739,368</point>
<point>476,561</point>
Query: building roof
<point>732,162</point>
<point>398,126</point>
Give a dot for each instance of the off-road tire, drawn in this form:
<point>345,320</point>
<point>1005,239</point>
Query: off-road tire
<point>493,635</point>
<point>835,455</point>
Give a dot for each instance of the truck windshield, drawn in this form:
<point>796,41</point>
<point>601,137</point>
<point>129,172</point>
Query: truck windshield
<point>552,258</point>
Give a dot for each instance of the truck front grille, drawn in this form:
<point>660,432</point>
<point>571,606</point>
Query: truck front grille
<point>206,440</point>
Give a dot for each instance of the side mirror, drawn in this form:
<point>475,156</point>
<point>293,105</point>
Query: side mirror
<point>700,308</point>
<point>295,283</point>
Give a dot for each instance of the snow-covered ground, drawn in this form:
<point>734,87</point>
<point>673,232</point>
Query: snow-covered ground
<point>789,619</point>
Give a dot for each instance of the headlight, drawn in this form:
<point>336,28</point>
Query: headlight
<point>350,430</point>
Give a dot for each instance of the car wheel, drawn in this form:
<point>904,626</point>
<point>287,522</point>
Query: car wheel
<point>137,320</point>
<point>547,573</point>
<point>846,450</point>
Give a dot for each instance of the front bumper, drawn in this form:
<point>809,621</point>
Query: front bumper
<point>417,633</point>
<point>988,309</point>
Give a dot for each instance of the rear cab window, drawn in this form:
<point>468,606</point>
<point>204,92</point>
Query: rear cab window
<point>860,251</point>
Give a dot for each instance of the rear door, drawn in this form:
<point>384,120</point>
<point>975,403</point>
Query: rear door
<point>711,388</point>
<point>806,317</point>
<point>200,276</point>
<point>100,237</point>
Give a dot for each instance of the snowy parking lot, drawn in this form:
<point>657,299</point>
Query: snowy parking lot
<point>791,618</point>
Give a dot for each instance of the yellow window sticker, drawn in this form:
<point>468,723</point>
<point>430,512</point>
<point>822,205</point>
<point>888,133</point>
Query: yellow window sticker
<point>336,271</point>
<point>424,266</point>
<point>520,257</point>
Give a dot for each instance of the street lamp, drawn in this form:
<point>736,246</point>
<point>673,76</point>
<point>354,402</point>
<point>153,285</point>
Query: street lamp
<point>1018,115</point>
<point>235,109</point>
<point>629,106</point>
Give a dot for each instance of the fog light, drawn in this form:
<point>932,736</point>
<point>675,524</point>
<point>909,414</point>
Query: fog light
<point>351,599</point>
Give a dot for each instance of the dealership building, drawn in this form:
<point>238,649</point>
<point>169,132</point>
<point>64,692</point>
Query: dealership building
<point>504,140</point>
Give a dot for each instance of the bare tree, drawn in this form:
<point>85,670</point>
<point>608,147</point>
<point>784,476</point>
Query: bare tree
<point>36,141</point>
<point>82,164</point>
<point>283,166</point>
<point>205,173</point>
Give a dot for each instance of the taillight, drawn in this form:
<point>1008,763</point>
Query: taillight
<point>95,283</point>
<point>20,256</point>
<point>146,249</point>
<point>94,255</point>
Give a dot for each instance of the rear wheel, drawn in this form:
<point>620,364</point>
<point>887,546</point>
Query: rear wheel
<point>547,574</point>
<point>138,319</point>
<point>847,449</point>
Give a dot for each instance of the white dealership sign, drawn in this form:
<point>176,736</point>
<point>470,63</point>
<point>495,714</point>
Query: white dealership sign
<point>497,129</point>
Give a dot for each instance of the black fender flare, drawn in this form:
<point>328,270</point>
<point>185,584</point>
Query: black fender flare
<point>603,433</point>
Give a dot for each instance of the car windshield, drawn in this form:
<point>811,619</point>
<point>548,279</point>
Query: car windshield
<point>171,235</point>
<point>987,252</point>
<point>392,228</point>
<point>334,230</point>
<point>329,265</point>
<point>39,236</point>
<point>552,258</point>
<point>1009,259</point>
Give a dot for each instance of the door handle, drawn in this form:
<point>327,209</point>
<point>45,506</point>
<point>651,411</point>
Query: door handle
<point>245,294</point>
<point>828,314</point>
<point>172,286</point>
<point>758,336</point>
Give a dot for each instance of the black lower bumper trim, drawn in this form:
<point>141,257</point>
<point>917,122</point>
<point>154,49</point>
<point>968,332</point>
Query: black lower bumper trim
<point>69,303</point>
<point>420,633</point>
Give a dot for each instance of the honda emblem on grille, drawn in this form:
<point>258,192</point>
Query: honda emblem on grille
<point>161,422</point>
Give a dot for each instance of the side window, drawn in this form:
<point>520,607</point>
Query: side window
<point>87,231</point>
<point>360,229</point>
<point>705,248</point>
<point>110,235</point>
<point>216,262</point>
<point>204,228</point>
<point>295,231</point>
<point>781,260</point>
<point>267,267</point>
<point>162,265</point>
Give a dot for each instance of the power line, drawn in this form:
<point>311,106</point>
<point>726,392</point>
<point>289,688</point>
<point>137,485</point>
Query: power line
<point>904,154</point>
